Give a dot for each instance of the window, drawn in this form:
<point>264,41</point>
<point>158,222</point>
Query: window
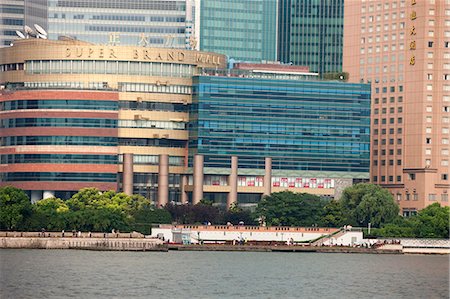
<point>430,44</point>
<point>444,177</point>
<point>444,197</point>
<point>399,179</point>
<point>412,176</point>
<point>431,197</point>
<point>399,162</point>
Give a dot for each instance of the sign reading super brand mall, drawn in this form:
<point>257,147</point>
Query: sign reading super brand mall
<point>166,55</point>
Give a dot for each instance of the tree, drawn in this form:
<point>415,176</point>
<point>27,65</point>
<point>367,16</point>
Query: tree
<point>15,208</point>
<point>368,203</point>
<point>432,222</point>
<point>143,218</point>
<point>291,209</point>
<point>93,210</point>
<point>333,215</point>
<point>236,214</point>
<point>51,214</point>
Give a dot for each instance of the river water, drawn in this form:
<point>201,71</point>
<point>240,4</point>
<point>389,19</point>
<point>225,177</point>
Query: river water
<point>101,274</point>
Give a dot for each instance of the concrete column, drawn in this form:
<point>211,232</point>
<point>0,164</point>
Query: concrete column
<point>127,179</point>
<point>268,177</point>
<point>163,180</point>
<point>197,195</point>
<point>48,194</point>
<point>184,196</point>
<point>232,182</point>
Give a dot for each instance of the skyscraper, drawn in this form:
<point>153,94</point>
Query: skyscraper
<point>166,23</point>
<point>11,12</point>
<point>403,49</point>
<point>245,30</point>
<point>310,33</point>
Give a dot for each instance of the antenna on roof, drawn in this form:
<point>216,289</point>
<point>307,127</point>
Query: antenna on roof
<point>20,34</point>
<point>29,31</point>
<point>41,31</point>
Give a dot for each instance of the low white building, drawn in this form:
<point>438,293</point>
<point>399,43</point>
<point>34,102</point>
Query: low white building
<point>193,234</point>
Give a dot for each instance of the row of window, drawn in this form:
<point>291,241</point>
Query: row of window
<point>411,177</point>
<point>59,104</point>
<point>391,121</point>
<point>152,142</point>
<point>383,162</point>
<point>415,196</point>
<point>154,160</point>
<point>391,100</point>
<point>58,158</point>
<point>391,151</point>
<point>384,141</point>
<point>59,122</point>
<point>152,124</point>
<point>391,131</point>
<point>151,179</point>
<point>58,140</point>
<point>58,177</point>
<point>138,29</point>
<point>109,67</point>
<point>11,67</point>
<point>156,88</point>
<point>153,106</point>
<point>288,163</point>
<point>391,110</point>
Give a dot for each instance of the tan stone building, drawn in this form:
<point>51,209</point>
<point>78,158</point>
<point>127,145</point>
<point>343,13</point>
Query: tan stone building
<point>402,48</point>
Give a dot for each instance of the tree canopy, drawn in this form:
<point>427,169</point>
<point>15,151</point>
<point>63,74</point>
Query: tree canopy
<point>15,207</point>
<point>291,209</point>
<point>93,210</point>
<point>368,203</point>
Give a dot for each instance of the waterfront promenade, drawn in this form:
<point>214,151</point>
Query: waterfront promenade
<point>77,240</point>
<point>138,242</point>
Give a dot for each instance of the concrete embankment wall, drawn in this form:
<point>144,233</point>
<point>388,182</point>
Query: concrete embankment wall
<point>83,243</point>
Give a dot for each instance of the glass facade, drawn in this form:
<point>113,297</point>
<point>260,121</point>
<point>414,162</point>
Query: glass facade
<point>58,140</point>
<point>155,23</point>
<point>58,122</point>
<point>58,176</point>
<point>12,12</point>
<point>302,125</point>
<point>310,33</point>
<point>108,67</point>
<point>245,30</point>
